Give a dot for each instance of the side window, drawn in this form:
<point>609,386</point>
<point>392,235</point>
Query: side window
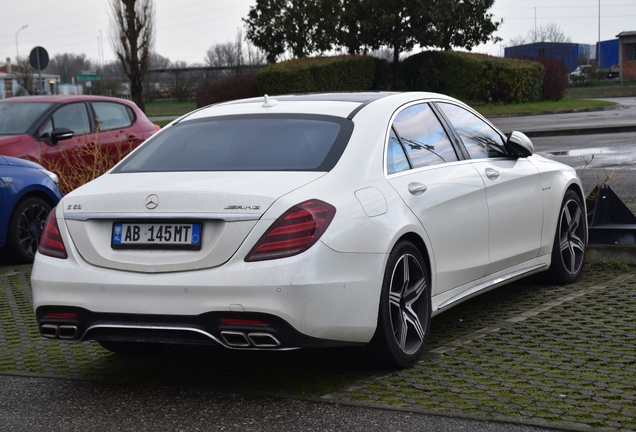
<point>72,116</point>
<point>481,140</point>
<point>396,160</point>
<point>423,136</point>
<point>112,115</point>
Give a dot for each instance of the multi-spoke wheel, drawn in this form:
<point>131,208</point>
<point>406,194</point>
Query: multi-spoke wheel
<point>405,309</point>
<point>25,228</point>
<point>570,240</point>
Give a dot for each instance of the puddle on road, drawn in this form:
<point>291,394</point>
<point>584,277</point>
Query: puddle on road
<point>582,152</point>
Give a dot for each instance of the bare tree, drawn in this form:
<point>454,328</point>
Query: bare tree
<point>132,36</point>
<point>24,75</point>
<point>113,79</point>
<point>68,66</point>
<point>237,54</point>
<point>549,33</point>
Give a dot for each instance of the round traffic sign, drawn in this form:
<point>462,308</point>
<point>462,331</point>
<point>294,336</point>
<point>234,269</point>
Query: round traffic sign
<point>39,58</point>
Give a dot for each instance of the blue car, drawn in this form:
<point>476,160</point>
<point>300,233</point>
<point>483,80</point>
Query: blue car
<point>27,194</point>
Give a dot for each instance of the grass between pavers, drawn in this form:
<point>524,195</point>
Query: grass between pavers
<point>573,364</point>
<point>520,371</point>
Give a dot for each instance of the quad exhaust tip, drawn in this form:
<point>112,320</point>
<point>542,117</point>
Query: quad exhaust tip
<point>55,331</point>
<point>250,340</point>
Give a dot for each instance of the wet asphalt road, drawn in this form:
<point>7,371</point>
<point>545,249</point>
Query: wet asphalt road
<point>42,404</point>
<point>596,157</point>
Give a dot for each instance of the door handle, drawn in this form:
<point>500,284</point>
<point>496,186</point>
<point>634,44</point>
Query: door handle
<point>417,188</point>
<point>492,174</point>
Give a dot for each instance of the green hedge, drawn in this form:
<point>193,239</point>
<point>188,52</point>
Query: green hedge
<point>474,77</point>
<point>318,74</point>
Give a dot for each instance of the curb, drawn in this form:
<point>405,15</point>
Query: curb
<point>581,131</point>
<point>596,253</point>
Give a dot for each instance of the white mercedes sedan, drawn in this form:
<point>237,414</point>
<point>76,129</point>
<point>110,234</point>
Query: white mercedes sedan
<point>320,220</point>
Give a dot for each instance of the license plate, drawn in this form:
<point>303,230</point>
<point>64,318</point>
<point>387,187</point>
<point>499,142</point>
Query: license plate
<point>156,235</point>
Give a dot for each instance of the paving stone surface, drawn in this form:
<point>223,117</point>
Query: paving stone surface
<point>532,352</point>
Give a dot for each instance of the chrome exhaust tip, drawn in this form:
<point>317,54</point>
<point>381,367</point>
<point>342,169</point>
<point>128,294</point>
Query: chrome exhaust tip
<point>235,339</point>
<point>263,340</point>
<point>67,332</point>
<point>54,331</point>
<point>49,331</point>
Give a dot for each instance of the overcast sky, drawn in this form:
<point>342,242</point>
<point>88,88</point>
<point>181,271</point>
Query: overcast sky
<point>186,29</point>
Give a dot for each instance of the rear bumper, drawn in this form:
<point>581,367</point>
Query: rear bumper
<point>320,294</point>
<point>245,331</point>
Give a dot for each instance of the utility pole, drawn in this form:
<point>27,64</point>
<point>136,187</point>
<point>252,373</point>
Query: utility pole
<point>599,36</point>
<point>535,24</point>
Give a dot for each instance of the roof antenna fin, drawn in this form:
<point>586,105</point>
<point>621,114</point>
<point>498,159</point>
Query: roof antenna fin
<point>269,102</point>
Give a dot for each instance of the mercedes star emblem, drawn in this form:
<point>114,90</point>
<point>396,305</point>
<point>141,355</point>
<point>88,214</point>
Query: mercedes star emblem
<point>152,202</point>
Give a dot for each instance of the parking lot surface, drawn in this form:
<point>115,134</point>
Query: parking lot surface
<point>530,353</point>
<point>524,357</point>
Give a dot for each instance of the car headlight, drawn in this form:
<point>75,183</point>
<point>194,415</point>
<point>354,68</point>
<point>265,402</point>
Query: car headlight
<point>52,176</point>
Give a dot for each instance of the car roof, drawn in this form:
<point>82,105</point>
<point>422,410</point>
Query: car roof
<point>345,104</point>
<point>63,98</point>
<point>359,97</point>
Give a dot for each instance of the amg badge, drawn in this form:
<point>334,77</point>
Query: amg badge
<point>242,207</point>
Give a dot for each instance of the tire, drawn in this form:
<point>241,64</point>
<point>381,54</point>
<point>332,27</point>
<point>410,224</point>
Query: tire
<point>570,240</point>
<point>25,228</point>
<point>404,318</point>
<point>132,348</point>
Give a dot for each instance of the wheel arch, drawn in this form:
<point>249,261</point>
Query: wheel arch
<point>419,243</point>
<point>35,193</point>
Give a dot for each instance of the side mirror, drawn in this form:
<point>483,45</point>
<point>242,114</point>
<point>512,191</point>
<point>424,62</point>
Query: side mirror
<point>519,145</point>
<point>60,134</point>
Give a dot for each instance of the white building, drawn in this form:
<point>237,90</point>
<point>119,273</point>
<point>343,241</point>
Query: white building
<point>10,87</point>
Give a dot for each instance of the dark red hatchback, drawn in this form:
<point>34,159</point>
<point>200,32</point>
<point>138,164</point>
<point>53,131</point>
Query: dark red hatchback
<point>42,128</point>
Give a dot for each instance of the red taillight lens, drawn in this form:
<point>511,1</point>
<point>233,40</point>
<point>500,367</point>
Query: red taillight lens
<point>68,315</point>
<point>51,243</point>
<point>294,232</point>
<point>237,321</point>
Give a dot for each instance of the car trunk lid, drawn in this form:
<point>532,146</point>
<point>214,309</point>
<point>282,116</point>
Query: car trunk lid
<point>227,205</point>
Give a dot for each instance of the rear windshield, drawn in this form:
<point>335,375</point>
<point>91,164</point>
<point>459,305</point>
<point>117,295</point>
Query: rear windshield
<point>244,143</point>
<point>17,117</point>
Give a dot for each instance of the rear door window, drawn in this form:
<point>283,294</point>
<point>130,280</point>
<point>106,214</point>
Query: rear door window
<point>110,115</point>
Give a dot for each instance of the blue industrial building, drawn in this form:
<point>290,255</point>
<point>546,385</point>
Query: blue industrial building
<point>572,54</point>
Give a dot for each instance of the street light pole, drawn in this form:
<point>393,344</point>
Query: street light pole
<point>17,55</point>
<point>599,35</point>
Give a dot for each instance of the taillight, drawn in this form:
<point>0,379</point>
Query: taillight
<point>51,243</point>
<point>237,321</point>
<point>294,232</point>
<point>68,315</point>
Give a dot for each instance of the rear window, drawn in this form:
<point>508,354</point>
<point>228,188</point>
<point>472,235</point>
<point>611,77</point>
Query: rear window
<point>16,118</point>
<point>245,143</point>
